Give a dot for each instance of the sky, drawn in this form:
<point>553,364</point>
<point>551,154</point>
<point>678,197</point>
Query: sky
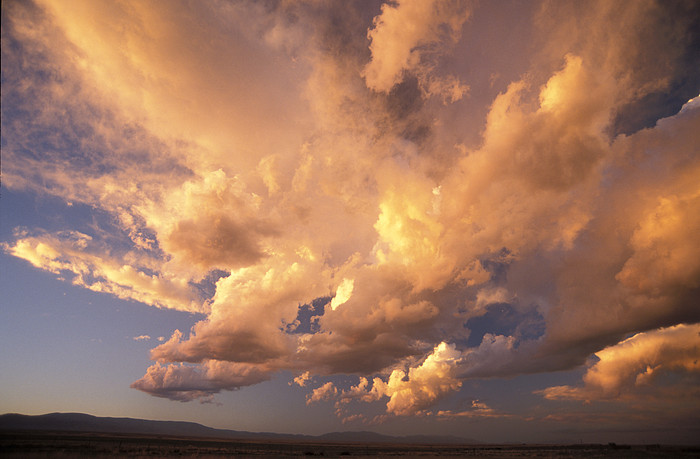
<point>471,218</point>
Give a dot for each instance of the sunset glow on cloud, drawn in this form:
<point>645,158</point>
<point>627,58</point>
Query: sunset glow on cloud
<point>382,202</point>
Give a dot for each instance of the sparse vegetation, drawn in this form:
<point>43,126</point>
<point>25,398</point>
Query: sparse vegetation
<point>30,445</point>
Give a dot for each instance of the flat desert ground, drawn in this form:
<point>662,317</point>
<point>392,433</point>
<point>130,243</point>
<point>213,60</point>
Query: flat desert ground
<point>97,445</point>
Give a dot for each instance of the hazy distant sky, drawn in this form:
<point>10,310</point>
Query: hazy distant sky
<point>476,218</point>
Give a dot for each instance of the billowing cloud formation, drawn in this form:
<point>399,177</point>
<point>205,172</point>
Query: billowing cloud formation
<point>284,170</point>
<point>325,392</point>
<point>404,34</point>
<point>302,379</point>
<point>413,391</point>
<point>631,367</point>
<point>185,382</point>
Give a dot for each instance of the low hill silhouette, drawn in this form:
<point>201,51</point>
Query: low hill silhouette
<point>79,422</point>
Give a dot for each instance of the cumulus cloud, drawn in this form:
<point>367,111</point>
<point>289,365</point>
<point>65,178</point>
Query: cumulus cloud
<point>302,379</point>
<point>413,391</point>
<point>404,34</point>
<point>212,222</point>
<point>284,170</point>
<point>325,392</point>
<point>141,338</point>
<point>185,383</point>
<point>664,362</point>
<point>662,259</point>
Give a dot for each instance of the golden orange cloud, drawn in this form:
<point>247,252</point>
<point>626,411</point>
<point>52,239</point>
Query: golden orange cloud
<point>305,152</point>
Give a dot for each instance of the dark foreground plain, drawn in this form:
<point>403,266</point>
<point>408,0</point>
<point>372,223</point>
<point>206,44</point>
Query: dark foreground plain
<point>33,444</point>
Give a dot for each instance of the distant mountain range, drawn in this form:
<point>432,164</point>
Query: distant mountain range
<point>79,422</point>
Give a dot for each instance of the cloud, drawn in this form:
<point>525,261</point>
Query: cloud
<point>477,410</point>
<point>76,254</point>
<point>662,259</point>
<point>302,379</point>
<point>185,383</point>
<point>141,338</point>
<point>426,383</point>
<point>413,391</point>
<point>212,223</point>
<point>658,363</point>
<point>324,392</point>
<point>343,293</point>
<point>404,34</point>
<point>257,163</point>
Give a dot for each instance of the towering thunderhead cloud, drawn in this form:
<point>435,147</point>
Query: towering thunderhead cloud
<point>377,191</point>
